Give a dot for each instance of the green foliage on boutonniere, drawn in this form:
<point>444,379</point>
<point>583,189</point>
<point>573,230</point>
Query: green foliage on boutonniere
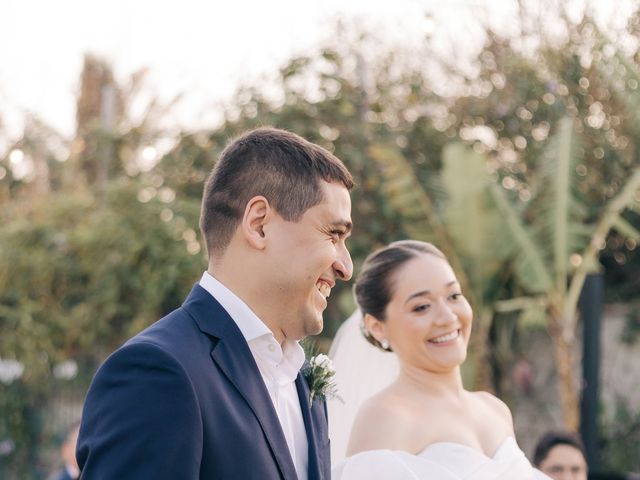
<point>319,374</point>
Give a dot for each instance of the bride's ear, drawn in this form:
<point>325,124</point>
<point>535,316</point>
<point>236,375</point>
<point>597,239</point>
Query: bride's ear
<point>375,327</point>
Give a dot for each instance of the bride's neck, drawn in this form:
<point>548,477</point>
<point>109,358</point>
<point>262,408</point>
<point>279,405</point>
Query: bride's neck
<point>430,382</point>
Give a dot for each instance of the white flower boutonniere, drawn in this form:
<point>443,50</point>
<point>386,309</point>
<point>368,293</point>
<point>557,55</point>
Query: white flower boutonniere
<point>319,375</point>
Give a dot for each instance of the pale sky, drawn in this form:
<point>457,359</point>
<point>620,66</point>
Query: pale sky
<point>203,49</point>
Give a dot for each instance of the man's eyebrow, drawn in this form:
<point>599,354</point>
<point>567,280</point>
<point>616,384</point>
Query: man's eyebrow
<point>347,225</point>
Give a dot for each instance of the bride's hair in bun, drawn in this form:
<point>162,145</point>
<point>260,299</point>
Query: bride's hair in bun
<point>374,286</point>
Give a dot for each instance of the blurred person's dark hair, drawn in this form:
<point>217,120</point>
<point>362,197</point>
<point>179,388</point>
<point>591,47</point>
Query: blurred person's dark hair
<point>614,476</point>
<point>552,439</point>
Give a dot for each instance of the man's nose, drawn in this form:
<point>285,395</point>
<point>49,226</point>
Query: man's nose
<point>343,266</point>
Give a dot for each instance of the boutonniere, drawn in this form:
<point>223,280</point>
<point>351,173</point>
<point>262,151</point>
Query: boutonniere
<point>319,374</point>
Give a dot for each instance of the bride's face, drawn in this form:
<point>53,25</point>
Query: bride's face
<point>428,320</point>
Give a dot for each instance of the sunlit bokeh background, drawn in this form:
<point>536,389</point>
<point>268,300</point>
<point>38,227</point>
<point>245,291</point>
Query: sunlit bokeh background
<point>504,131</point>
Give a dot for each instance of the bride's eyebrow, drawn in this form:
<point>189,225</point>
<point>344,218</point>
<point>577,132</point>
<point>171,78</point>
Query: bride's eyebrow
<point>417,294</point>
<point>422,293</point>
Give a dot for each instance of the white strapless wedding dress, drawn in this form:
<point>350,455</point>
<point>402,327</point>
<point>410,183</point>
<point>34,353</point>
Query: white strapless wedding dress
<point>440,461</point>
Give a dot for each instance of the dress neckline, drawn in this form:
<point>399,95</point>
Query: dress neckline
<point>443,444</point>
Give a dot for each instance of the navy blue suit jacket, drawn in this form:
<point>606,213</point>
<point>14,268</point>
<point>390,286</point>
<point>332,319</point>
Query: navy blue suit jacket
<point>184,399</point>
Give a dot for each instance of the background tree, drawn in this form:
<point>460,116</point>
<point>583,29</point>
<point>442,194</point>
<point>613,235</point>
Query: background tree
<point>461,151</point>
<point>89,255</point>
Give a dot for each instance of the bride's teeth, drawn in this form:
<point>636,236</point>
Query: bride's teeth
<point>445,338</point>
<point>324,289</point>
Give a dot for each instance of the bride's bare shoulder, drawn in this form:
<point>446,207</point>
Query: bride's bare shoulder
<point>495,406</point>
<point>381,423</point>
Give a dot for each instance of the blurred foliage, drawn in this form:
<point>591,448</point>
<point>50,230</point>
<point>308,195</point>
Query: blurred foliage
<point>86,261</point>
<point>620,439</point>
<point>505,160</point>
<point>555,250</point>
<point>19,429</point>
<point>631,330</point>
<point>92,272</point>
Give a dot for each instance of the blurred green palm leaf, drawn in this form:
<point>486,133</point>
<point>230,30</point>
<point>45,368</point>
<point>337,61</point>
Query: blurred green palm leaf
<point>561,213</point>
<point>407,196</point>
<point>529,257</point>
<point>472,221</point>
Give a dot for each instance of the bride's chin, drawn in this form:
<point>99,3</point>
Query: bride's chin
<point>451,364</point>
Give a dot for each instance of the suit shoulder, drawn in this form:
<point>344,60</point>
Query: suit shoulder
<point>172,334</point>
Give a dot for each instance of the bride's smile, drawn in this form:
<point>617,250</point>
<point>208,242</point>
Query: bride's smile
<point>427,321</point>
<point>446,339</point>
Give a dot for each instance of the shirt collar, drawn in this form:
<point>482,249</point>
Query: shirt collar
<point>248,322</point>
<point>282,362</point>
<point>290,354</point>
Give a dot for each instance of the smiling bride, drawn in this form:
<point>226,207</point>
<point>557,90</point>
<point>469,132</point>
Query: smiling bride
<point>424,425</point>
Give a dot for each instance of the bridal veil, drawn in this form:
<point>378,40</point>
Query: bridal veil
<point>361,371</point>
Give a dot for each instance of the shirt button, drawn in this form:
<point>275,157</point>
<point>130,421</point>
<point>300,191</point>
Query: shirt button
<point>271,347</point>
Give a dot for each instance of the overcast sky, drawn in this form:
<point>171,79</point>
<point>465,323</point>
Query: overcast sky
<point>202,48</point>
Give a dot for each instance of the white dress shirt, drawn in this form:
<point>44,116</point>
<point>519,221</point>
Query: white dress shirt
<point>278,364</point>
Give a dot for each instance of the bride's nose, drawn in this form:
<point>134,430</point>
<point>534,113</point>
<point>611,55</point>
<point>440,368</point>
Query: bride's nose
<point>446,315</point>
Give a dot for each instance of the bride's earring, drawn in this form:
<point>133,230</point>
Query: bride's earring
<point>384,343</point>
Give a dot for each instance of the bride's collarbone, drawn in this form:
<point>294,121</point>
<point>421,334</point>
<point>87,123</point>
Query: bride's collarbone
<point>411,421</point>
<point>471,425</point>
<point>483,439</point>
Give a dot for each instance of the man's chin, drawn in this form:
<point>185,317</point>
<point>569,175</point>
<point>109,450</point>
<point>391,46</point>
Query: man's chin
<point>313,327</point>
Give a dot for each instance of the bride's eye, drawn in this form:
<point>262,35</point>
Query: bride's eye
<point>456,296</point>
<point>421,308</point>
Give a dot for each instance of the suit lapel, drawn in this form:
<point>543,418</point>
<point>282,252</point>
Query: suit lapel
<point>243,373</point>
<point>312,427</point>
<point>232,355</point>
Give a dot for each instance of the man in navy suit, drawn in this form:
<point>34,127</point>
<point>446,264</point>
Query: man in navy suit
<point>213,390</point>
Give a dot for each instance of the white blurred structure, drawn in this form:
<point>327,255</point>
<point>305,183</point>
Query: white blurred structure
<point>361,371</point>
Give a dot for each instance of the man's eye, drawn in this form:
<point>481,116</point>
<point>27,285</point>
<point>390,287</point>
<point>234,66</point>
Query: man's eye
<point>421,308</point>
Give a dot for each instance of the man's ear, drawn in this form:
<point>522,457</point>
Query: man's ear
<point>256,214</point>
<point>375,327</point>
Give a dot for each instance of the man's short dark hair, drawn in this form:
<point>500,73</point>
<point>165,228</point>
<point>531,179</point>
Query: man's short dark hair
<point>550,440</point>
<point>279,165</point>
